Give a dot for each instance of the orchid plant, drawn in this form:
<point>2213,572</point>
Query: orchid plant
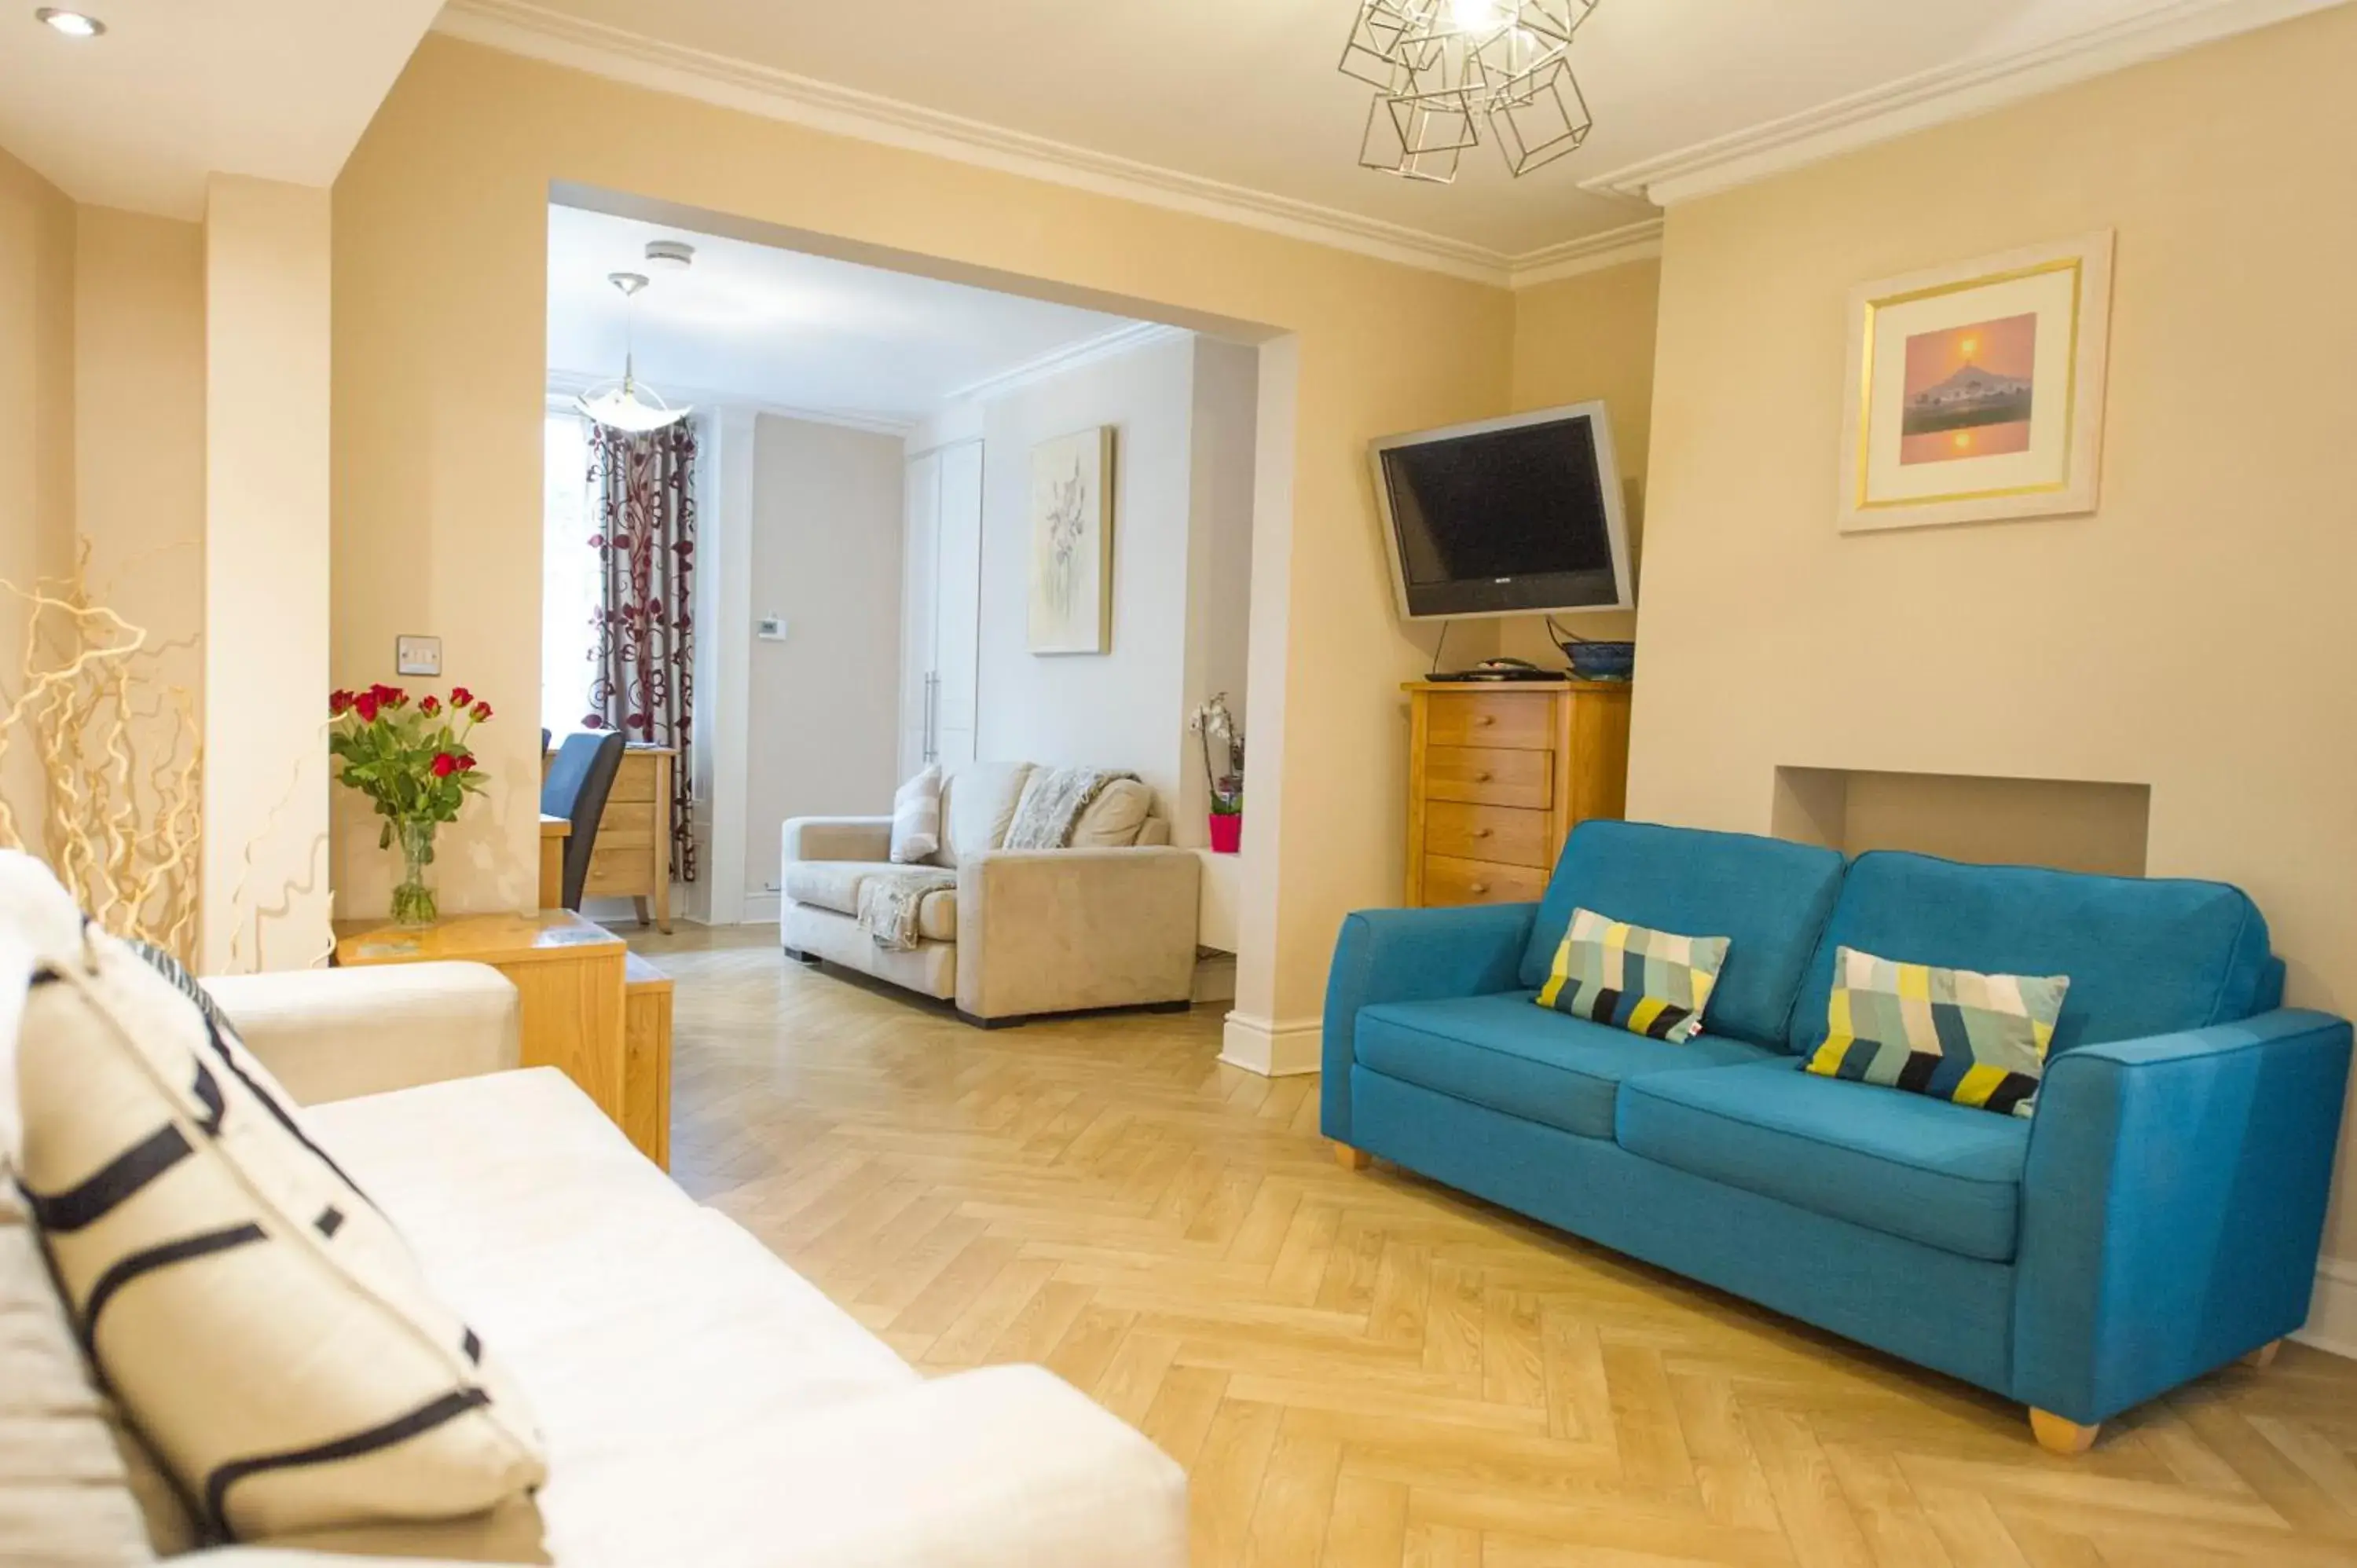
<point>1222,740</point>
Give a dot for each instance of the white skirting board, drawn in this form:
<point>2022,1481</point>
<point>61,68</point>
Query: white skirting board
<point>2332,1313</point>
<point>1271,1047</point>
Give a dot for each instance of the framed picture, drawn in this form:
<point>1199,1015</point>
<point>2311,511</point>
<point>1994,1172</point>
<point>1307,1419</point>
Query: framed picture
<point>1976,391</point>
<point>1072,543</point>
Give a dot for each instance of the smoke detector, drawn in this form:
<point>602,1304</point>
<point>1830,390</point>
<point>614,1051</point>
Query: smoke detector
<point>674,253</point>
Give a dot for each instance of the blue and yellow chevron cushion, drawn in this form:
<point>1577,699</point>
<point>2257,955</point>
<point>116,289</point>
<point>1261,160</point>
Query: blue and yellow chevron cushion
<point>1646,982</point>
<point>1977,1039</point>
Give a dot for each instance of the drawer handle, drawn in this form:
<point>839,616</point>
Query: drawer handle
<point>1483,777</point>
<point>1481,833</point>
<point>1483,721</point>
<point>1477,887</point>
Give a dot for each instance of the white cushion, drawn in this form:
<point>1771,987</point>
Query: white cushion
<point>977,803</point>
<point>262,1321</point>
<point>917,817</point>
<point>1113,818</point>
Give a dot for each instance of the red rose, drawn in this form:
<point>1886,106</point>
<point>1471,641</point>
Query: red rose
<point>481,711</point>
<point>466,762</point>
<point>461,698</point>
<point>338,701</point>
<point>365,704</point>
<point>431,705</point>
<point>444,764</point>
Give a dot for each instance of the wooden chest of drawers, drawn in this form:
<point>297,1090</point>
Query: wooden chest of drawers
<point>1498,776</point>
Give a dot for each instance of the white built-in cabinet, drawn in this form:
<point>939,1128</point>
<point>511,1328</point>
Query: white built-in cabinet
<point>940,606</point>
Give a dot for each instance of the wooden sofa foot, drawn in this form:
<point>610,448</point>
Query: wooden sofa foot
<point>1352,1159</point>
<point>2057,1436</point>
<point>2264,1356</point>
<point>812,960</point>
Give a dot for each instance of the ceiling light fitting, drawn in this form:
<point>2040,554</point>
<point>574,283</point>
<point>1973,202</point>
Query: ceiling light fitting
<point>1442,68</point>
<point>621,407</point>
<point>72,23</point>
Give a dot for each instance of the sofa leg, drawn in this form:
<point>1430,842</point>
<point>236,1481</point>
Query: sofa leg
<point>804,958</point>
<point>2057,1436</point>
<point>2264,1356</point>
<point>1352,1159</point>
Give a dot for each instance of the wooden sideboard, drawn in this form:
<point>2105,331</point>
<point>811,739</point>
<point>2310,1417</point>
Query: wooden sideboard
<point>1499,774</point>
<point>632,857</point>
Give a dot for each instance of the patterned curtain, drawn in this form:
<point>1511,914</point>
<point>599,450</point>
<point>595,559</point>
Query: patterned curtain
<point>644,684</point>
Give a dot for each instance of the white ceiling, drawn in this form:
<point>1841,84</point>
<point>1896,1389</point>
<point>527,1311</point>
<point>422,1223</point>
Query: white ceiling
<point>754,324</point>
<point>1244,92</point>
<point>280,89</point>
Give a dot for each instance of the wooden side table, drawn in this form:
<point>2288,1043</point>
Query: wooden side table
<point>646,1059</point>
<point>569,974</point>
<point>555,834</point>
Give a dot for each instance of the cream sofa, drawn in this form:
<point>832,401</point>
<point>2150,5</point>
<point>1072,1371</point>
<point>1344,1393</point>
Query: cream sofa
<point>1109,922</point>
<point>703,1404</point>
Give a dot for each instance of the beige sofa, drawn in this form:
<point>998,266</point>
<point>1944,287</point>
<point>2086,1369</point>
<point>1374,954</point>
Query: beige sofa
<point>703,1404</point>
<point>1109,922</point>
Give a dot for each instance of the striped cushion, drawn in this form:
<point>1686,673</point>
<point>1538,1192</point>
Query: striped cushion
<point>1648,983</point>
<point>917,817</point>
<point>266,1327</point>
<point>1977,1039</point>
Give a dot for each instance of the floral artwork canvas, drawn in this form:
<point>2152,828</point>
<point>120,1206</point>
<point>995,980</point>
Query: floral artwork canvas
<point>1976,391</point>
<point>1072,543</point>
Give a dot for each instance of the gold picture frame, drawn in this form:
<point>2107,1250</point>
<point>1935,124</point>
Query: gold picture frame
<point>1975,393</point>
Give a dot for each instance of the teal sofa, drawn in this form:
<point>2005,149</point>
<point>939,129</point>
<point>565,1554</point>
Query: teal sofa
<point>2158,1217</point>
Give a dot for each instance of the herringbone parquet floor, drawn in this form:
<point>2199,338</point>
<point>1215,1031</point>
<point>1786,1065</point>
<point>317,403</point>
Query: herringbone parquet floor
<point>1366,1369</point>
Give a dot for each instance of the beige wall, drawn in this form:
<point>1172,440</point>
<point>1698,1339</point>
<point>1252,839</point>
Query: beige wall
<point>1579,339</point>
<point>139,426</point>
<point>823,734</point>
<point>37,433</point>
<point>2192,635</point>
<point>440,283</point>
<point>266,575</point>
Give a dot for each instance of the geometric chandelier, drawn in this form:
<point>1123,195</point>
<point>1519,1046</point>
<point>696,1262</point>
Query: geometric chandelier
<point>1443,66</point>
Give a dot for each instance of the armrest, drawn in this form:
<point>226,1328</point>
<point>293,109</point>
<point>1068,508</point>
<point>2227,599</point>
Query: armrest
<point>1055,930</point>
<point>2173,1207</point>
<point>335,1033</point>
<point>1412,955</point>
<point>836,838</point>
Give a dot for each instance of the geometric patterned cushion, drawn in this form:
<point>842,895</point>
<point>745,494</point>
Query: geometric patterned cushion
<point>1649,982</point>
<point>1976,1040</point>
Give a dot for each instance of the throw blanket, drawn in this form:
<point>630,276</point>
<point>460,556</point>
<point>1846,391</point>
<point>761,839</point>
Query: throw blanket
<point>1051,807</point>
<point>888,902</point>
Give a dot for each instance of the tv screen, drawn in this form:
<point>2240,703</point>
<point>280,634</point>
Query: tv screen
<point>1518,516</point>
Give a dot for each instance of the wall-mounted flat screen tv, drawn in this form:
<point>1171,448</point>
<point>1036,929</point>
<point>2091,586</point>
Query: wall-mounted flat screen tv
<point>1515,516</point>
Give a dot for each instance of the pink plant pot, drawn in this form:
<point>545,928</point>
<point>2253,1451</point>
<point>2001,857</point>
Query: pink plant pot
<point>1227,833</point>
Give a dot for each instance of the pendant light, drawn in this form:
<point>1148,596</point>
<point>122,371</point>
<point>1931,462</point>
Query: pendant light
<point>621,406</point>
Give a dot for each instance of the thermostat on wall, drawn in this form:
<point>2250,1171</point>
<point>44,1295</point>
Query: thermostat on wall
<point>417,655</point>
<point>772,628</point>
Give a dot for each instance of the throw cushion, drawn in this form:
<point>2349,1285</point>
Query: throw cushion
<point>1649,982</point>
<point>917,817</point>
<point>977,803</point>
<point>1952,1034</point>
<point>1113,818</point>
<point>263,1322</point>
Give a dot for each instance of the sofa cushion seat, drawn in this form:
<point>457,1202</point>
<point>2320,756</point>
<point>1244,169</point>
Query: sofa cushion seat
<point>1947,1175</point>
<point>834,885</point>
<point>1507,1053</point>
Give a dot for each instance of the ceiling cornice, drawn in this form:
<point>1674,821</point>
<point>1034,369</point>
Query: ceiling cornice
<point>1935,97</point>
<point>1590,253</point>
<point>568,384</point>
<point>1126,338</point>
<point>520,28</point>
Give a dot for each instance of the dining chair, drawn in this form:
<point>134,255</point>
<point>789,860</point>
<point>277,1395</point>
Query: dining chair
<point>578,784</point>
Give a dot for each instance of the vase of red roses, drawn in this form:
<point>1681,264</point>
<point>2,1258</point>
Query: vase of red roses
<point>413,762</point>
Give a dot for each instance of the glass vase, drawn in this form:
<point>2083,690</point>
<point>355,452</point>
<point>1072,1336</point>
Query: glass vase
<point>412,899</point>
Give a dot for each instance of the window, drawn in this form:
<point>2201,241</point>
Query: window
<point>571,591</point>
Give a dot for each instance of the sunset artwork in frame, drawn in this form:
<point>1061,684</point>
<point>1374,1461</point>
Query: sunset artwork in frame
<point>1976,391</point>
